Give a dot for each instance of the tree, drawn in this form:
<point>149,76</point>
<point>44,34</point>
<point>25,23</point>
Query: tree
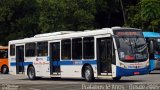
<point>123,11</point>
<point>109,13</point>
<point>7,8</point>
<point>62,15</point>
<point>146,15</point>
<point>25,18</point>
<point>150,13</point>
<point>19,19</point>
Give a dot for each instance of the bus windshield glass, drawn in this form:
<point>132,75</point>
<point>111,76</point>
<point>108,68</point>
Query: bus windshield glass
<point>157,49</point>
<point>3,53</point>
<point>131,45</point>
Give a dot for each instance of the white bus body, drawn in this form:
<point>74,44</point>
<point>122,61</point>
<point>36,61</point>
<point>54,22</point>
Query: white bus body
<point>88,54</point>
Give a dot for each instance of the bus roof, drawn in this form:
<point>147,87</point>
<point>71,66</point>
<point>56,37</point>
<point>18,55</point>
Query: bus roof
<point>67,34</point>
<point>3,47</point>
<point>151,34</point>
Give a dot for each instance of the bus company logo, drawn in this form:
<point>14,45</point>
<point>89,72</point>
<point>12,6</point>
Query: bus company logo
<point>77,62</point>
<point>13,59</point>
<point>40,63</point>
<point>39,59</point>
<point>132,67</point>
<point>136,64</point>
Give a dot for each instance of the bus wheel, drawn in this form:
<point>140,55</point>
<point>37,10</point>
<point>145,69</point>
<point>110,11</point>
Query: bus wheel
<point>88,74</point>
<point>4,69</point>
<point>31,73</point>
<point>116,78</point>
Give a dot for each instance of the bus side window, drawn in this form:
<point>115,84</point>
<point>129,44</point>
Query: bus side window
<point>42,49</point>
<point>88,47</point>
<point>5,54</point>
<point>77,48</point>
<point>30,49</point>
<point>66,49</point>
<point>12,50</point>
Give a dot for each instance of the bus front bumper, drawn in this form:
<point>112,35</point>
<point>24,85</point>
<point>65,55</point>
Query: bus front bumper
<point>120,72</point>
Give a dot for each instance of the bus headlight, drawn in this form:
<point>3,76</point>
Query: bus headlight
<point>147,64</point>
<point>122,65</point>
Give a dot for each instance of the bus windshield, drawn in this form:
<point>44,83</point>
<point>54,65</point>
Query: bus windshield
<point>131,46</point>
<point>157,49</point>
<point>3,53</point>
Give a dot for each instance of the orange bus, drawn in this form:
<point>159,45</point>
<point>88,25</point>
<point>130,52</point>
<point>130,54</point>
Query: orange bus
<point>4,59</point>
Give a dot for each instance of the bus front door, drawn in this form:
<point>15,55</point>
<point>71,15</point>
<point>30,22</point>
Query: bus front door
<point>20,59</point>
<point>55,58</point>
<point>104,56</point>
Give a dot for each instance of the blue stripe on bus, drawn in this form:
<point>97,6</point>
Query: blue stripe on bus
<point>152,65</point>
<point>58,63</point>
<point>130,72</point>
<point>13,63</point>
<point>20,63</point>
<point>90,61</point>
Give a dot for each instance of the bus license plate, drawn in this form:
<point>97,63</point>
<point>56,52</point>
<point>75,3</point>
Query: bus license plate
<point>136,73</point>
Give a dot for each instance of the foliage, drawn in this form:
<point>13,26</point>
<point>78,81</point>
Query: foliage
<point>25,18</point>
<point>7,18</point>
<point>60,15</point>
<point>147,15</point>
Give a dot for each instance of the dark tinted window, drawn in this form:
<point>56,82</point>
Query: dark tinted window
<point>4,53</point>
<point>88,48</point>
<point>42,48</point>
<point>66,49</point>
<point>77,48</point>
<point>12,50</point>
<point>30,49</point>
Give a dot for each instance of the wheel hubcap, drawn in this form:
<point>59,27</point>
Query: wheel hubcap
<point>31,74</point>
<point>87,74</point>
<point>4,69</point>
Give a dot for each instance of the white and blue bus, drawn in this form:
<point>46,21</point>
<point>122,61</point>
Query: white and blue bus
<point>102,53</point>
<point>153,40</point>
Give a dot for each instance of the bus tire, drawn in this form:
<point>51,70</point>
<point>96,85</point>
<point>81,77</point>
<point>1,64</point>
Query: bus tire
<point>116,78</point>
<point>88,74</point>
<point>31,73</point>
<point>4,69</point>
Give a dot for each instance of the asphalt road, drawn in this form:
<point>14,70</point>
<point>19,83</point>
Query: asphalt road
<point>21,82</point>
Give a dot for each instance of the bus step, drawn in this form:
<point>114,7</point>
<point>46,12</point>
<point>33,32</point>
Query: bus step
<point>106,74</point>
<point>55,75</point>
<point>21,73</point>
<point>104,77</point>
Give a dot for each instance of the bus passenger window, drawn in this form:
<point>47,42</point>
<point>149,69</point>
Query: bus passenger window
<point>66,49</point>
<point>42,49</point>
<point>77,48</point>
<point>3,53</point>
<point>88,48</point>
<point>12,50</point>
<point>30,49</point>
